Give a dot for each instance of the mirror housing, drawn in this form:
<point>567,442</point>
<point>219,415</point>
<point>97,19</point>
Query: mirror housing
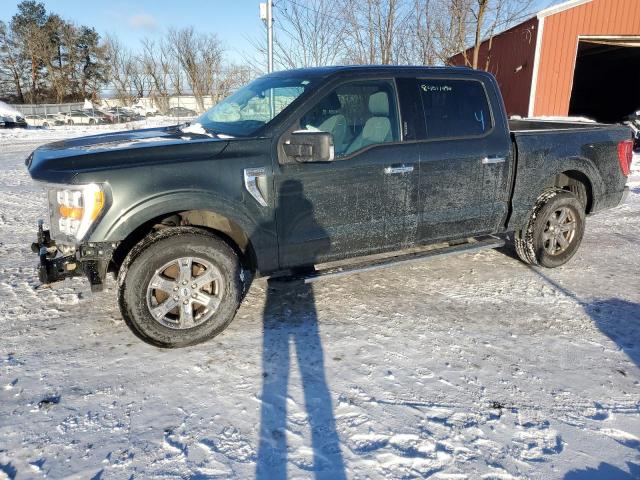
<point>306,146</point>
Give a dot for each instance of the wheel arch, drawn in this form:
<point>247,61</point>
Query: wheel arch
<point>575,174</point>
<point>578,183</point>
<point>247,232</point>
<point>222,226</point>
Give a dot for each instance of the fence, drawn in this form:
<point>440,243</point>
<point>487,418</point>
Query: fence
<point>48,108</point>
<point>174,102</point>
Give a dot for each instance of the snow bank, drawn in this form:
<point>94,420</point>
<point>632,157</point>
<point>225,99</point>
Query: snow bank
<point>9,111</point>
<point>31,134</point>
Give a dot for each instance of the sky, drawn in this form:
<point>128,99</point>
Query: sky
<point>131,21</point>
<point>233,21</point>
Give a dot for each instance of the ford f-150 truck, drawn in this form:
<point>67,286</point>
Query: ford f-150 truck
<point>315,172</point>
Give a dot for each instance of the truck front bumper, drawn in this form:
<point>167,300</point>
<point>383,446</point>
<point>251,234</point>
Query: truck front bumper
<point>90,260</point>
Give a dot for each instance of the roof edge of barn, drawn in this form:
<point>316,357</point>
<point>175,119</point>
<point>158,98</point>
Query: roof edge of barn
<point>561,7</point>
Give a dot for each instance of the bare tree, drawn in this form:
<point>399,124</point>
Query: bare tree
<point>200,57</point>
<point>308,35</point>
<point>157,65</point>
<point>471,22</point>
<point>417,43</point>
<point>28,28</point>
<point>231,78</point>
<point>12,65</point>
<point>122,65</point>
<point>377,30</point>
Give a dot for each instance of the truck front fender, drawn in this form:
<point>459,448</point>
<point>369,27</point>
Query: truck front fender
<point>256,223</point>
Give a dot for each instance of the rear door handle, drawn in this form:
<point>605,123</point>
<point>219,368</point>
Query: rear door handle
<point>493,159</point>
<point>398,169</point>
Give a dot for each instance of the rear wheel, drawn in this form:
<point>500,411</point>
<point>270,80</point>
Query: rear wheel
<point>179,287</point>
<point>554,230</point>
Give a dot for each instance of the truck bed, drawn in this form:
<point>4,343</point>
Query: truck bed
<point>584,150</point>
<point>537,125</point>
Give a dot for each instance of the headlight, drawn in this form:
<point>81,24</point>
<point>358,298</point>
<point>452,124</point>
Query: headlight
<point>74,208</point>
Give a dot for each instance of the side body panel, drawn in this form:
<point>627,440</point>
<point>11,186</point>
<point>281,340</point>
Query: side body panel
<point>215,183</point>
<point>544,154</point>
<point>465,181</point>
<point>349,207</point>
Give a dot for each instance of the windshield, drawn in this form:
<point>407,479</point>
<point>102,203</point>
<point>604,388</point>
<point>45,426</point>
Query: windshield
<point>253,106</point>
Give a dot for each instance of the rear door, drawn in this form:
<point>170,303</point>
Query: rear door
<point>464,159</point>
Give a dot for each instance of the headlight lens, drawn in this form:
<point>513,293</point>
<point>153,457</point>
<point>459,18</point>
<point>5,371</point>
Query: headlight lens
<point>73,209</point>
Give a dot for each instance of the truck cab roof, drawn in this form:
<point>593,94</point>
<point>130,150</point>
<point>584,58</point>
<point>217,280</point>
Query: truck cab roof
<point>323,72</point>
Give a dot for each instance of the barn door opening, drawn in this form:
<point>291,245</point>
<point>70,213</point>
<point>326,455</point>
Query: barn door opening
<point>606,82</point>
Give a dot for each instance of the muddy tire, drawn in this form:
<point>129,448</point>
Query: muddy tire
<point>179,286</point>
<point>554,230</point>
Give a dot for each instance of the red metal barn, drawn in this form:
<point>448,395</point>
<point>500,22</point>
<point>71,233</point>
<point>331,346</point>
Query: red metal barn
<point>581,57</point>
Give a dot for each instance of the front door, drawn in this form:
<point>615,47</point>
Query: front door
<point>359,203</point>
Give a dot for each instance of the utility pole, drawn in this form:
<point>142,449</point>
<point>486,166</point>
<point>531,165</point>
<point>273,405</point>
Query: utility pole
<point>266,15</point>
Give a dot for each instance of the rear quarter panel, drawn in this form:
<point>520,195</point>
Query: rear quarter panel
<point>541,155</point>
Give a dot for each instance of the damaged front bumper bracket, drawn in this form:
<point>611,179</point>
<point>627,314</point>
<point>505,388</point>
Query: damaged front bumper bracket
<point>89,260</point>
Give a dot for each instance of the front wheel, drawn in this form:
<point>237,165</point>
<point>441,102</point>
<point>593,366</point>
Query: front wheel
<point>554,230</point>
<point>179,287</point>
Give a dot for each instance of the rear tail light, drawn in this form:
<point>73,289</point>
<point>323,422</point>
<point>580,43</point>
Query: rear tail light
<point>625,155</point>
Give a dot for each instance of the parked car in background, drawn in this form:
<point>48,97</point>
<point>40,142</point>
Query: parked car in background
<point>55,118</point>
<point>39,121</point>
<point>122,115</point>
<point>81,117</point>
<point>10,117</point>
<point>144,111</point>
<point>105,117</point>
<point>181,112</point>
<point>13,122</point>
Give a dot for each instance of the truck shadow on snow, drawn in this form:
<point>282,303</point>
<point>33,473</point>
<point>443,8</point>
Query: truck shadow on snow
<point>290,323</point>
<point>617,318</point>
<point>605,471</point>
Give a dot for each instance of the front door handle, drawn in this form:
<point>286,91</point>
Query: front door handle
<point>398,169</point>
<point>493,159</point>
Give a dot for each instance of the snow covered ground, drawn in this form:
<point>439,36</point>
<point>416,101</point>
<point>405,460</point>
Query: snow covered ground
<point>30,135</point>
<point>473,366</point>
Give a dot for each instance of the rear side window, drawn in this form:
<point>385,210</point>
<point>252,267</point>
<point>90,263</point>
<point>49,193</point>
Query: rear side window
<point>454,108</point>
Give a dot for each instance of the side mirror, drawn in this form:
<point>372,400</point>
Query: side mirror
<point>304,146</point>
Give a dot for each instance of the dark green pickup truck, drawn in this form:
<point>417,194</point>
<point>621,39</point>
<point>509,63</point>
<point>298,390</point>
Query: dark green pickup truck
<point>316,172</point>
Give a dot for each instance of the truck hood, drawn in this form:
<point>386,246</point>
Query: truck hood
<point>59,162</point>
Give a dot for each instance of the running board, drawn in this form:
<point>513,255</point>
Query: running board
<point>474,245</point>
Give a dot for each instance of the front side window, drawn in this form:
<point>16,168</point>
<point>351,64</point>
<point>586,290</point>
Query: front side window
<point>357,115</point>
<point>253,106</point>
<point>454,108</point>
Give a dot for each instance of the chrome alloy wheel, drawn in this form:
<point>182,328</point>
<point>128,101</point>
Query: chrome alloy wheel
<point>559,231</point>
<point>185,292</point>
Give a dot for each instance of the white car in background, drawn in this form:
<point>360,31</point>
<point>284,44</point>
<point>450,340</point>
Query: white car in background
<point>143,110</point>
<point>47,120</point>
<point>82,117</point>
